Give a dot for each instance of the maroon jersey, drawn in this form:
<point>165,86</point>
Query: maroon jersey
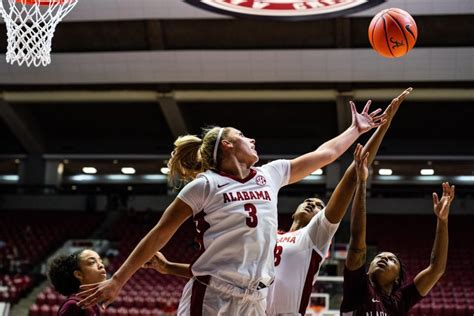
<point>70,308</point>
<point>362,299</point>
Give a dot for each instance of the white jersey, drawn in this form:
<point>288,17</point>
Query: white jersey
<point>298,257</point>
<point>236,223</point>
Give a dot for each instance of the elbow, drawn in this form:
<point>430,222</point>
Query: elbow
<point>441,272</point>
<point>438,271</point>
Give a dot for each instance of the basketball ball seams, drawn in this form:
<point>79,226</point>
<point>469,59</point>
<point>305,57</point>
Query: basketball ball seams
<point>371,38</point>
<point>401,30</point>
<point>386,36</point>
<point>411,21</point>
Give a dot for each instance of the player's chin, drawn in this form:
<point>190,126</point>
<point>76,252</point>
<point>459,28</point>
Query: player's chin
<point>102,277</point>
<point>255,157</point>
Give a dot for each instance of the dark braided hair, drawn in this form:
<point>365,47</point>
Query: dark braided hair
<point>401,275</point>
<point>61,273</point>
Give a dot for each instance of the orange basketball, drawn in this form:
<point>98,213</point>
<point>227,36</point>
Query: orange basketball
<point>392,32</point>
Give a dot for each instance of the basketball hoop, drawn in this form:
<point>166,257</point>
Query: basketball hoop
<point>30,28</point>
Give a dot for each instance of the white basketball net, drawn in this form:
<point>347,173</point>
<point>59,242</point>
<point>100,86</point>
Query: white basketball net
<point>30,28</point>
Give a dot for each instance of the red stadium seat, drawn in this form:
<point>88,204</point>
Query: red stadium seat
<point>156,312</point>
<point>110,311</point>
<point>54,310</point>
<point>145,312</point>
<point>425,310</point>
<point>34,310</point>
<point>118,302</point>
<point>51,299</point>
<point>128,302</point>
<point>41,299</point>
<point>45,310</point>
<point>122,311</point>
<point>150,302</point>
<point>460,310</point>
<point>139,302</point>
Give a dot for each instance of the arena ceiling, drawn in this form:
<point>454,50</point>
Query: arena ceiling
<point>127,77</point>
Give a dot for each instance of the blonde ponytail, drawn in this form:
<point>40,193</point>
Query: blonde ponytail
<point>185,162</point>
<point>193,155</point>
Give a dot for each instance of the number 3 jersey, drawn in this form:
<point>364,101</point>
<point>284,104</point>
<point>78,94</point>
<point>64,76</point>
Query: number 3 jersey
<point>298,256</point>
<point>236,223</point>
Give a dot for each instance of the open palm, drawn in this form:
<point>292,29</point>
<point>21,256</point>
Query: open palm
<point>364,121</point>
<point>441,206</point>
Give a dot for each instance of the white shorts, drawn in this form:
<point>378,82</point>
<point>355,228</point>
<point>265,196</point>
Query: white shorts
<point>211,297</point>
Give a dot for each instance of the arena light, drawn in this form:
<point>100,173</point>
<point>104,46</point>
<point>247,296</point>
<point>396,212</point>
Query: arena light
<point>389,178</point>
<point>10,178</point>
<point>89,170</point>
<point>429,178</point>
<point>128,170</point>
<point>83,177</point>
<point>427,172</point>
<point>117,177</point>
<point>317,172</point>
<point>165,170</point>
<point>465,178</point>
<point>385,172</point>
<point>312,179</point>
<point>155,177</point>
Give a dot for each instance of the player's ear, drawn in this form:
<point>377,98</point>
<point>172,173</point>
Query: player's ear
<point>225,143</point>
<point>78,275</point>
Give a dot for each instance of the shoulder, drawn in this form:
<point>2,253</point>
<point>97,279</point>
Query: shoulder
<point>359,273</point>
<point>277,170</point>
<point>200,182</point>
<point>70,308</point>
<point>279,163</point>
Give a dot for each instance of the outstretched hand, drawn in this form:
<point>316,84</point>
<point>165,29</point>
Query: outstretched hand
<point>103,293</point>
<point>360,161</point>
<point>441,206</point>
<point>364,121</point>
<point>158,262</point>
<point>395,104</point>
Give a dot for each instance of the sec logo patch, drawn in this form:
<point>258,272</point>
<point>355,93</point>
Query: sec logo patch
<point>261,180</point>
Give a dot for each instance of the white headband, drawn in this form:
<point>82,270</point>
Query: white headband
<point>216,145</point>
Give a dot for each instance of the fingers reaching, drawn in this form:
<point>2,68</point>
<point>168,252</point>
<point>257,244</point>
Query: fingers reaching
<point>435,199</point>
<point>91,300</point>
<point>106,303</point>
<point>402,96</point>
<point>451,196</point>
<point>442,206</point>
<point>357,152</point>
<point>379,120</point>
<point>85,292</point>
<point>367,106</point>
<point>353,108</point>
<point>375,112</point>
<point>365,159</point>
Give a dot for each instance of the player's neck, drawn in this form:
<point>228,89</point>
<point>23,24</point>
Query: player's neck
<point>296,225</point>
<point>235,168</point>
<point>384,288</point>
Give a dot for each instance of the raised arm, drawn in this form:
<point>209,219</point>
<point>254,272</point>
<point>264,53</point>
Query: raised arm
<point>105,292</point>
<point>334,148</point>
<point>356,255</point>
<point>342,195</point>
<point>426,279</point>
<point>162,265</point>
